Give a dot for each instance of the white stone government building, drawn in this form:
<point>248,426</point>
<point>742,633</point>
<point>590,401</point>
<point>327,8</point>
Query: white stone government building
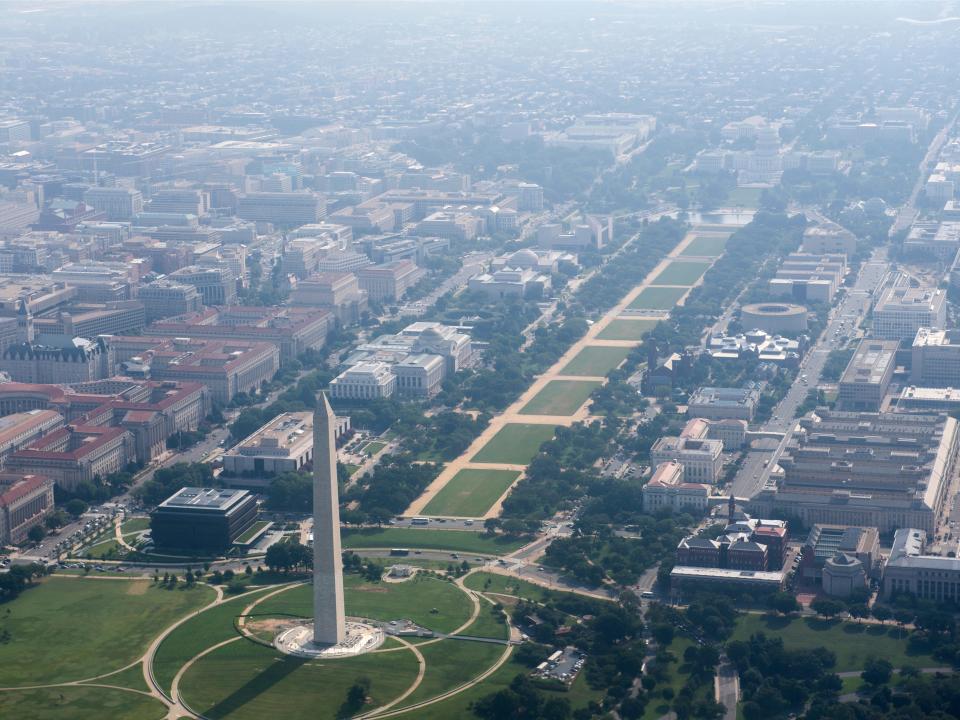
<point>883,470</point>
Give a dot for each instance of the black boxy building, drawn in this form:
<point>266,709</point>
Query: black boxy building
<point>202,518</point>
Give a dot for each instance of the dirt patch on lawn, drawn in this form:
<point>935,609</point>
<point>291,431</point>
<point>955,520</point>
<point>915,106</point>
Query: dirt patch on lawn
<point>270,626</point>
<point>138,588</point>
<point>371,589</point>
<point>508,600</point>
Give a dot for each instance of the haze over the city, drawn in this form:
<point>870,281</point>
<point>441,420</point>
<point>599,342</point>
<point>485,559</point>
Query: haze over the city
<point>502,360</point>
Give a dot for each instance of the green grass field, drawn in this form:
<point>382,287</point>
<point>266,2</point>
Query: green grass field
<point>373,447</point>
<point>135,525</point>
<point>853,642</point>
<point>68,629</point>
<point>244,680</point>
<point>429,539</point>
<point>106,548</point>
<point>515,444</point>
<point>470,492</point>
<point>494,583</point>
<point>855,684</point>
<point>560,397</point>
<point>195,635</point>
<point>706,246</point>
<point>251,531</point>
<point>458,706</point>
<point>746,196</point>
<point>658,705</point>
<point>432,603</point>
<point>131,678</point>
<point>658,298</point>
<point>681,272</point>
<point>490,623</point>
<point>620,329</point>
<point>595,361</point>
<point>80,703</point>
<point>451,663</point>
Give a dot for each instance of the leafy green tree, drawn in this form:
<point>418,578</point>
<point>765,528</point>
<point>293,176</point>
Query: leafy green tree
<point>784,603</point>
<point>662,633</point>
<point>356,698</point>
<point>877,671</point>
<point>76,507</point>
<point>881,612</point>
<point>826,607</point>
<point>858,611</point>
<point>278,557</point>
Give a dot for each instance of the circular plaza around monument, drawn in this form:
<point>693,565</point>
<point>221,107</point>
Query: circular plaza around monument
<point>415,646</point>
<point>360,638</point>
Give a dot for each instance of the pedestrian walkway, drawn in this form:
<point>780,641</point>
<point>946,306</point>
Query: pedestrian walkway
<point>513,414</point>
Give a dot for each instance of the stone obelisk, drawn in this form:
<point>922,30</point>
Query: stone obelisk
<point>329,622</point>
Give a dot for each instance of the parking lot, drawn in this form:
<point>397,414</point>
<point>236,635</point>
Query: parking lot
<point>564,665</point>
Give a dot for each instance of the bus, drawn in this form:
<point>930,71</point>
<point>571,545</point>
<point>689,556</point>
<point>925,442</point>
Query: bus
<point>420,521</point>
<point>402,552</point>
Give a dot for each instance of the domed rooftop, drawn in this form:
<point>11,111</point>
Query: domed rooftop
<point>524,258</point>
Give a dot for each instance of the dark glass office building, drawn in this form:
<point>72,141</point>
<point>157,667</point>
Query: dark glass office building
<point>202,518</point>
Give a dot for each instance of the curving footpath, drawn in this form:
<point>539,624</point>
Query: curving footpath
<point>178,707</point>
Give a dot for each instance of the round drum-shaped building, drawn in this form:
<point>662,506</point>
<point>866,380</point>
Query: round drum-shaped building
<point>774,318</point>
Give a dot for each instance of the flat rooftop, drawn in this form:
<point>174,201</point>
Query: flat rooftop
<point>934,337</point>
<point>280,435</point>
<point>204,498</point>
<point>925,394</point>
<point>723,396</point>
<point>690,572</point>
<point>906,299</point>
<point>871,362</point>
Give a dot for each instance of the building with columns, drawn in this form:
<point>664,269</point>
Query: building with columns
<point>25,501</point>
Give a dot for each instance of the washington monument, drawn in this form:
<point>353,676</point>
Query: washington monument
<point>329,622</point>
<point>331,636</point>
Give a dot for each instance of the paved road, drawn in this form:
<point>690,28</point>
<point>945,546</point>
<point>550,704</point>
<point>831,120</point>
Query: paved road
<point>727,688</point>
<point>473,264</point>
<point>908,212</point>
<point>844,319</point>
<point>47,550</point>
